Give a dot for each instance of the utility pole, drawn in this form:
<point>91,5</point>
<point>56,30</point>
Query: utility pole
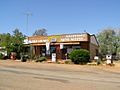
<point>27,17</point>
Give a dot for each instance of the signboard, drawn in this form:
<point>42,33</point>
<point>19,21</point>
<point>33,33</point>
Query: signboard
<point>61,46</point>
<point>47,46</point>
<point>37,41</point>
<point>53,40</point>
<point>74,37</point>
<point>59,38</point>
<point>53,57</point>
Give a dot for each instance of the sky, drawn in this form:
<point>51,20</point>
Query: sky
<point>59,16</point>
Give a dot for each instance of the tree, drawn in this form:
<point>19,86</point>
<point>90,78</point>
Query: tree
<point>117,42</point>
<point>17,42</point>
<point>12,43</point>
<point>5,41</point>
<point>109,41</point>
<point>40,32</point>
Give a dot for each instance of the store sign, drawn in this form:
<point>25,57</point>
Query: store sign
<point>76,37</point>
<point>71,39</point>
<point>53,40</point>
<point>37,41</point>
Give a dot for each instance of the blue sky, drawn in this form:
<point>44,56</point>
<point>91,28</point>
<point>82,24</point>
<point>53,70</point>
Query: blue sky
<point>59,16</point>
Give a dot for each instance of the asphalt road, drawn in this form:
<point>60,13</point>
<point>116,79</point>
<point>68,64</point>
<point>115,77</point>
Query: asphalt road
<point>32,76</point>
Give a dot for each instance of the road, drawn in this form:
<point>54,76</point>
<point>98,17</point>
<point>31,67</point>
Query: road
<point>36,76</point>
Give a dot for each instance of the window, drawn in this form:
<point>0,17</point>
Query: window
<point>52,49</point>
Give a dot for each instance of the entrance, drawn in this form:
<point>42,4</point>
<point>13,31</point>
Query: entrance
<point>64,52</point>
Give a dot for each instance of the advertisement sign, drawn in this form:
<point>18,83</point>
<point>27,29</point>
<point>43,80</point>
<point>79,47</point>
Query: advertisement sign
<point>53,57</point>
<point>61,46</point>
<point>47,46</point>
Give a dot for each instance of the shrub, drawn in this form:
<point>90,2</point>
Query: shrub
<point>41,59</point>
<point>68,62</point>
<point>24,58</point>
<point>80,56</point>
<point>1,56</point>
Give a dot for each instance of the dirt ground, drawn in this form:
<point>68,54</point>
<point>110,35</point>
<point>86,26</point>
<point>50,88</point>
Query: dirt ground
<point>18,63</point>
<point>16,75</point>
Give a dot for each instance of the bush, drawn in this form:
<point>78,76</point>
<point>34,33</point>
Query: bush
<point>68,62</point>
<point>1,56</point>
<point>24,58</point>
<point>80,56</point>
<point>41,59</point>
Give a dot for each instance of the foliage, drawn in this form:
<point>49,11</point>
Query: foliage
<point>1,56</point>
<point>40,32</point>
<point>109,41</point>
<point>12,43</point>
<point>5,41</point>
<point>41,59</point>
<point>24,58</point>
<point>80,56</point>
<point>68,62</point>
<point>17,42</point>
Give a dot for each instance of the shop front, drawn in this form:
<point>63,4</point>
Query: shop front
<point>58,46</point>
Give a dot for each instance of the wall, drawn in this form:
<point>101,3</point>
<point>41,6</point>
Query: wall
<point>84,45</point>
<point>94,46</point>
<point>93,51</point>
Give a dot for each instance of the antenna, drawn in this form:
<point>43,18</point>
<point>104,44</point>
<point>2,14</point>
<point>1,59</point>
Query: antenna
<point>27,17</point>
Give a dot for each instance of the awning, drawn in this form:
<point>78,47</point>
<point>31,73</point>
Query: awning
<point>38,44</point>
<point>67,43</point>
<point>57,43</point>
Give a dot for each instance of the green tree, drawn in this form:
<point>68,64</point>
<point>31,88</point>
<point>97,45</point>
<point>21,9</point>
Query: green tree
<point>40,32</point>
<point>17,42</point>
<point>109,41</point>
<point>5,41</point>
<point>117,43</point>
<point>12,43</point>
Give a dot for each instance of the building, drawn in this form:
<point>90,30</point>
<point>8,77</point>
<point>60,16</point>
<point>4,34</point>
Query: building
<point>62,45</point>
